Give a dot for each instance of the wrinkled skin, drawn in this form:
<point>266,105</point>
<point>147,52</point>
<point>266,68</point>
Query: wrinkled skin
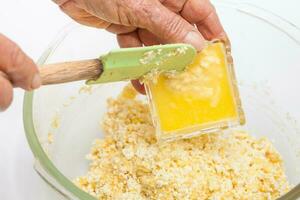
<point>135,22</point>
<point>149,22</point>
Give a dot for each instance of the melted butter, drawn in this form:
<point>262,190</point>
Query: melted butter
<point>200,95</point>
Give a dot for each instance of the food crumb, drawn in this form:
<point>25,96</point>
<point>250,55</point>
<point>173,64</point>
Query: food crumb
<point>182,50</point>
<point>55,122</point>
<point>128,163</point>
<point>86,89</point>
<point>148,57</point>
<point>50,138</point>
<point>69,101</point>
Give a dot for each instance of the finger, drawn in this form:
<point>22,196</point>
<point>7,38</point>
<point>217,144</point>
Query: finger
<point>120,29</point>
<point>174,5</point>
<point>132,40</point>
<point>6,92</point>
<point>81,16</point>
<point>167,25</point>
<point>138,86</point>
<point>19,68</point>
<point>60,2</point>
<point>203,14</point>
<point>129,40</point>
<point>148,38</point>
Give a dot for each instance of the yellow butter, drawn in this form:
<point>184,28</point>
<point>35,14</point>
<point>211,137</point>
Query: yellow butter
<point>202,98</point>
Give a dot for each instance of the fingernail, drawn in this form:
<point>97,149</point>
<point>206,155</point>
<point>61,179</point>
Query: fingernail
<point>195,39</point>
<point>36,81</point>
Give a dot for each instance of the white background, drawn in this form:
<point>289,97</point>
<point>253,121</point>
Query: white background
<point>33,24</point>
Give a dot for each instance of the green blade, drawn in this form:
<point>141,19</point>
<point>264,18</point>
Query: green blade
<point>132,63</point>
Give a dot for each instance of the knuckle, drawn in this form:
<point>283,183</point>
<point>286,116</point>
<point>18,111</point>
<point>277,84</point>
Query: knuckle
<point>205,10</point>
<point>197,10</point>
<point>175,6</point>
<point>174,28</point>
<point>211,9</point>
<point>135,12</point>
<point>20,69</point>
<point>147,10</point>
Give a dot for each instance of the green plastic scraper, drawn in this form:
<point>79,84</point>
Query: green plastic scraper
<point>121,64</point>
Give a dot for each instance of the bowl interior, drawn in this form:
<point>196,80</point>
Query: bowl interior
<point>266,55</point>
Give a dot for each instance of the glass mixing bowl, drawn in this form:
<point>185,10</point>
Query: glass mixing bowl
<point>266,51</point>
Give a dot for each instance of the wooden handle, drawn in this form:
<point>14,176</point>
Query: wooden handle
<point>71,71</point>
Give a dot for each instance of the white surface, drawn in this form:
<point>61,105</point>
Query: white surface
<point>32,24</point>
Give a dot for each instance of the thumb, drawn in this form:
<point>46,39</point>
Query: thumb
<point>169,26</point>
<point>19,69</point>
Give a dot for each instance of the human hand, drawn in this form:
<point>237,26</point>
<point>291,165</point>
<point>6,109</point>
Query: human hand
<point>16,70</point>
<point>149,22</point>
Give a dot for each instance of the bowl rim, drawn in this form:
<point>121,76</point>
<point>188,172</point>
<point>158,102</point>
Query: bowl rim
<point>61,182</point>
<point>32,138</point>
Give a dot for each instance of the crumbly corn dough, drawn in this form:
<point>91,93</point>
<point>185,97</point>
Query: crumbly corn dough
<point>128,164</point>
